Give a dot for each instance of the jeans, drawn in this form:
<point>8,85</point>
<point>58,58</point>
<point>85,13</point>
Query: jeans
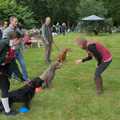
<point>101,68</point>
<point>20,60</point>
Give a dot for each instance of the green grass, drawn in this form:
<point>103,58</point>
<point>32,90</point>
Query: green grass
<point>73,94</point>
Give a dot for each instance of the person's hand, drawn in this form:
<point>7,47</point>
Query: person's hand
<point>78,61</point>
<point>16,42</point>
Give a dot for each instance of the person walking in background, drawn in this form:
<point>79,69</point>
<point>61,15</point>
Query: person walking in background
<point>101,54</point>
<point>14,28</point>
<point>27,40</point>
<point>47,39</point>
<point>5,25</point>
<point>1,29</point>
<point>58,27</point>
<point>63,28</point>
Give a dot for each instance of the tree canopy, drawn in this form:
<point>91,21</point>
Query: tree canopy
<point>32,12</point>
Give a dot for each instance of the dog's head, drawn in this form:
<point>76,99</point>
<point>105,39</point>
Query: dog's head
<point>65,50</point>
<point>36,82</point>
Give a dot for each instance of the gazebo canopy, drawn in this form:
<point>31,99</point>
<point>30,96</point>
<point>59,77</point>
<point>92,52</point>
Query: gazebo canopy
<point>93,18</point>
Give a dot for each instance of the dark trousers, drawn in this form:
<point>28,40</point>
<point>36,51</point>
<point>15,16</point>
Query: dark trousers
<point>4,80</point>
<point>48,49</point>
<point>101,68</point>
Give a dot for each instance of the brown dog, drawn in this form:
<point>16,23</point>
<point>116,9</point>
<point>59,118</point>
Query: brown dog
<point>49,73</point>
<point>62,56</point>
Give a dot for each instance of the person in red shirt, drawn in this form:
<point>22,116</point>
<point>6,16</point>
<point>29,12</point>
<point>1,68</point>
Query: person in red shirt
<point>27,40</point>
<point>101,54</point>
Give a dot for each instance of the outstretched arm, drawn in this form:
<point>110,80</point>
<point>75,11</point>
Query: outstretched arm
<point>89,57</point>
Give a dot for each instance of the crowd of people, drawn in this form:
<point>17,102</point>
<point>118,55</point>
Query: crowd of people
<point>11,39</point>
<point>60,29</point>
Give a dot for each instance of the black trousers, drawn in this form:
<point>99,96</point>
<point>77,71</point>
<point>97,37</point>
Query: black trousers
<point>4,80</point>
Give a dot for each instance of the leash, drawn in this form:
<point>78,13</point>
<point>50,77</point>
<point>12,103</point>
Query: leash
<point>58,49</point>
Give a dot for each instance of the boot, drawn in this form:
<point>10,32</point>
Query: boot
<point>11,113</point>
<point>8,111</point>
<point>101,82</point>
<point>99,85</point>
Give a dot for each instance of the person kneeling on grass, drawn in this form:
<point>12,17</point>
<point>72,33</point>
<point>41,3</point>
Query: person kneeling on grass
<point>7,56</point>
<point>101,54</point>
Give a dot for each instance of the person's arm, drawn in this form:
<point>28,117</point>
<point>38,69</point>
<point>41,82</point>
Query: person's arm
<point>95,52</point>
<point>20,32</point>
<point>89,57</point>
<point>79,61</point>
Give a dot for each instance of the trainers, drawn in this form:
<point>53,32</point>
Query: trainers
<point>11,113</point>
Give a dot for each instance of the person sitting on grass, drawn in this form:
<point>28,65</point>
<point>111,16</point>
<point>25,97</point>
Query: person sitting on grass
<point>101,54</point>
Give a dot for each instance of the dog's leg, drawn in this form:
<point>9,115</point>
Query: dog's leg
<point>27,100</point>
<point>27,104</point>
<point>49,74</point>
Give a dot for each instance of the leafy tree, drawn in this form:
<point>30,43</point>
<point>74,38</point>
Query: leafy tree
<point>59,10</point>
<point>113,7</point>
<point>90,7</point>
<point>10,7</point>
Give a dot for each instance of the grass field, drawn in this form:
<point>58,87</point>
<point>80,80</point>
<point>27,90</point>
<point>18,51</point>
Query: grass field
<point>73,96</point>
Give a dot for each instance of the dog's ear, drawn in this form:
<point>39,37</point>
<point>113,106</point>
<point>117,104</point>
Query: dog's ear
<point>38,82</point>
<point>30,83</point>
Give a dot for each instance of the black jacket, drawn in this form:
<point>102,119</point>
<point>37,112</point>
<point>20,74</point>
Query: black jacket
<point>92,48</point>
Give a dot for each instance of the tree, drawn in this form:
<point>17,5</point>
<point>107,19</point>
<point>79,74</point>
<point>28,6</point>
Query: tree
<point>11,8</point>
<point>113,7</point>
<point>90,7</point>
<point>59,10</point>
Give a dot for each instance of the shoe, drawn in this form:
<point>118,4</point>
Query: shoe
<point>11,113</point>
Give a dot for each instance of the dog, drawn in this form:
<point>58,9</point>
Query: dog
<point>26,93</point>
<point>62,56</point>
<point>48,74</point>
